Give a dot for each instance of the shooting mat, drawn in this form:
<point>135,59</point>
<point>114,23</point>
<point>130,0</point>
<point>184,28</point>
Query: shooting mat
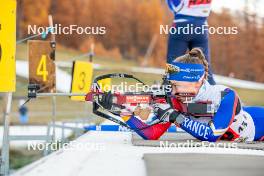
<point>176,138</point>
<point>203,165</point>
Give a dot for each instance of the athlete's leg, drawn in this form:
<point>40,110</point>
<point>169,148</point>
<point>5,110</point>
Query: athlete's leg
<point>177,46</point>
<point>257,114</point>
<point>202,41</point>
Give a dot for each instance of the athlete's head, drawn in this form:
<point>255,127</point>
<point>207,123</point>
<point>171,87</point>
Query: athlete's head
<point>195,56</point>
<point>187,73</point>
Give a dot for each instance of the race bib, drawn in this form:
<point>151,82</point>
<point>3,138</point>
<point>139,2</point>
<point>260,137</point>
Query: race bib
<point>243,125</point>
<point>199,2</point>
<point>196,8</point>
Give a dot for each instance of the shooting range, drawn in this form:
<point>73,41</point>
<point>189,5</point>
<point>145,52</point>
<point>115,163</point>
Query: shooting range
<point>75,98</point>
<point>82,79</point>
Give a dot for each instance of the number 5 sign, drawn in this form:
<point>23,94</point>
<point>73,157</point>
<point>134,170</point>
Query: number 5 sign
<point>7,45</point>
<point>41,65</point>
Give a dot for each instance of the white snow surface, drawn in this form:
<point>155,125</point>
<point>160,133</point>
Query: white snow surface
<point>115,156</point>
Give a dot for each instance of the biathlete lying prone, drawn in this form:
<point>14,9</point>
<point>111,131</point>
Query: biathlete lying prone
<point>231,121</point>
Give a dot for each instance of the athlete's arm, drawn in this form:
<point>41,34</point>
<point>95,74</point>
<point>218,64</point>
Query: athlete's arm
<point>220,122</point>
<point>151,132</point>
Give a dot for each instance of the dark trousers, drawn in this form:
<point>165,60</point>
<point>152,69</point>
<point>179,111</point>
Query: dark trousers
<point>178,44</point>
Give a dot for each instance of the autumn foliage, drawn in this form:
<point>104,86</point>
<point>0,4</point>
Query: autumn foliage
<point>131,25</point>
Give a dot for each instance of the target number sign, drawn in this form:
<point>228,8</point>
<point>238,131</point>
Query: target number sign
<point>41,65</point>
<point>81,79</point>
<point>7,45</point>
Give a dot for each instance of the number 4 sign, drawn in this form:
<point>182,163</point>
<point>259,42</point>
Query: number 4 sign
<point>42,68</point>
<point>41,65</point>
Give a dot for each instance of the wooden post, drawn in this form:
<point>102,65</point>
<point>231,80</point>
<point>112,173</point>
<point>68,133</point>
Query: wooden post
<point>149,50</point>
<point>53,46</point>
<point>91,55</point>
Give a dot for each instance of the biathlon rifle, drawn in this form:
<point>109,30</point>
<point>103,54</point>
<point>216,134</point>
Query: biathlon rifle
<point>133,98</point>
<point>119,100</point>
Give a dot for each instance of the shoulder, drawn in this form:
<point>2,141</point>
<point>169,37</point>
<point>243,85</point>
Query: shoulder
<point>224,90</point>
<point>220,88</point>
<point>214,88</point>
<point>213,92</point>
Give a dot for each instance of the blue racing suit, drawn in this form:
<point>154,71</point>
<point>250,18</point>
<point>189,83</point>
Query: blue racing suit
<point>231,122</point>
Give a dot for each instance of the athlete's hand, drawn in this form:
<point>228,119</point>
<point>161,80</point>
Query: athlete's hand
<point>106,100</point>
<point>167,114</point>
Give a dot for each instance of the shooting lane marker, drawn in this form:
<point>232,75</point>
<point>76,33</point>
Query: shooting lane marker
<point>81,79</point>
<point>7,72</point>
<point>7,46</point>
<point>41,65</point>
<point>42,70</point>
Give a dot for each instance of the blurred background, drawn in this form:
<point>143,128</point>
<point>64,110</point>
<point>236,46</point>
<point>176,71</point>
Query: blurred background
<point>132,27</point>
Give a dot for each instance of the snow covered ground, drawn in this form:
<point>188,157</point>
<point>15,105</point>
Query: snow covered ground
<point>108,153</point>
